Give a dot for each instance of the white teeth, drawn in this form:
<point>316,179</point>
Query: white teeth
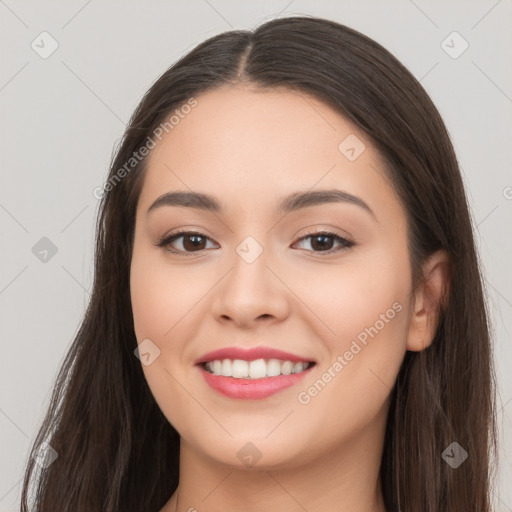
<point>226,369</point>
<point>240,369</point>
<point>287,368</point>
<point>217,367</point>
<point>257,369</point>
<point>273,368</point>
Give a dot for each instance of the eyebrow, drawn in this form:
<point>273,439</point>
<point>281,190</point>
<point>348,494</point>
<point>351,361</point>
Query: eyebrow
<point>292,202</point>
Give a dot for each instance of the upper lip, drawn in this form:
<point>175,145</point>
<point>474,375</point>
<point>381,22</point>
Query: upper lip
<point>250,354</point>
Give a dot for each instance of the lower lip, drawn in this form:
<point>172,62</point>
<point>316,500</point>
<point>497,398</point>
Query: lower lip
<point>251,389</point>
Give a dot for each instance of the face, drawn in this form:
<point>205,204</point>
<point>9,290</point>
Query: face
<point>326,280</point>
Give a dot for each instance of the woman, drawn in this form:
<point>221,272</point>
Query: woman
<point>327,346</point>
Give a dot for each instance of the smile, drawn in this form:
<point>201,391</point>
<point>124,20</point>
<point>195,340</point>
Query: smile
<point>252,373</point>
<point>252,380</point>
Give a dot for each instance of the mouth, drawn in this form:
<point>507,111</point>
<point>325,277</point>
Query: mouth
<point>254,379</point>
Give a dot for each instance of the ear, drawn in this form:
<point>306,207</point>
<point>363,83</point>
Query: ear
<point>430,297</point>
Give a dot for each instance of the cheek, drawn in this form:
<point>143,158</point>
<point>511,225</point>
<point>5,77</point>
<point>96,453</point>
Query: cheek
<point>160,295</point>
<point>162,300</point>
<point>365,305</point>
<point>351,296</point>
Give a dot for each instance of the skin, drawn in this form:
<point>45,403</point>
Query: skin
<point>250,148</point>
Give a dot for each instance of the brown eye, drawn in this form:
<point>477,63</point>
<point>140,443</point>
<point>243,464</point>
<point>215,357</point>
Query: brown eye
<point>191,242</point>
<point>322,242</point>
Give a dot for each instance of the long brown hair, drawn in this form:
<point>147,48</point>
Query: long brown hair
<point>117,451</point>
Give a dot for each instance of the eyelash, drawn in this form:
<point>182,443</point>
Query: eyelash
<point>166,241</point>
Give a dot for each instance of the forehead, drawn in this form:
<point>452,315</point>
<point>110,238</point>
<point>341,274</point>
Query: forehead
<point>239,122</point>
<point>241,141</point>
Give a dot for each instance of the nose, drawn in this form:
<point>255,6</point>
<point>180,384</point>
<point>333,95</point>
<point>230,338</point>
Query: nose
<point>251,293</point>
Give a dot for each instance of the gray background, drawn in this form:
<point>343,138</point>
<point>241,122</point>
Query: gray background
<point>61,117</point>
